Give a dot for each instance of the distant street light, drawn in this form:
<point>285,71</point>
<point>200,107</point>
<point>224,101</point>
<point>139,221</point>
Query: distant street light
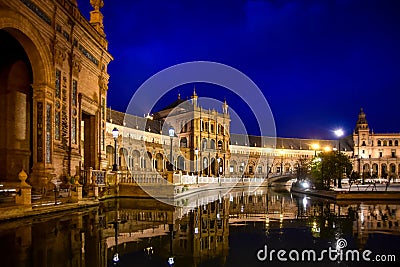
<point>339,133</point>
<point>315,147</point>
<point>115,135</point>
<point>171,133</point>
<point>218,160</point>
<point>196,152</point>
<point>282,153</point>
<point>219,179</point>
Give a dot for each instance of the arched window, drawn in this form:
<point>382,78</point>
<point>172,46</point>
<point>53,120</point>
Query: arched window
<point>363,143</point>
<point>183,142</point>
<point>384,170</point>
<point>205,163</point>
<point>390,143</point>
<point>181,163</point>
<point>110,155</point>
<point>396,142</point>
<point>379,143</point>
<point>212,144</point>
<point>123,154</point>
<point>159,162</point>
<point>136,159</point>
<point>392,168</point>
<point>150,158</point>
<point>384,143</point>
<point>205,166</point>
<point>204,143</point>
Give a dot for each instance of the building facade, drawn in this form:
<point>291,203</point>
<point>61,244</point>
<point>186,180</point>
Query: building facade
<point>375,154</point>
<point>53,87</point>
<point>203,145</point>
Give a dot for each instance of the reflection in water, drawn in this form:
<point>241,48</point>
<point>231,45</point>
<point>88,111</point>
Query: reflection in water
<point>225,231</point>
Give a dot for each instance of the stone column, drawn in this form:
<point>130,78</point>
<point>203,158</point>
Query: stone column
<point>42,170</point>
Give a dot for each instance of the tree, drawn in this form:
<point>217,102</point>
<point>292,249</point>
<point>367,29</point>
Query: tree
<point>330,166</point>
<point>303,168</point>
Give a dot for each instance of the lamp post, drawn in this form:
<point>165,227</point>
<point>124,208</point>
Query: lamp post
<point>339,133</point>
<point>242,171</point>
<point>115,135</point>
<point>219,179</point>
<point>281,152</point>
<point>196,152</point>
<point>315,147</point>
<point>171,134</point>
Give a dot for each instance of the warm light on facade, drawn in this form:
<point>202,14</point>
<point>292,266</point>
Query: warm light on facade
<point>315,146</point>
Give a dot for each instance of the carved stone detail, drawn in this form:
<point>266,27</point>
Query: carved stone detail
<point>59,55</point>
<point>97,4</point>
<point>103,83</point>
<point>96,17</point>
<point>76,63</point>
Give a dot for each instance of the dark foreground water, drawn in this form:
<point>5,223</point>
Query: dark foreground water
<point>243,228</point>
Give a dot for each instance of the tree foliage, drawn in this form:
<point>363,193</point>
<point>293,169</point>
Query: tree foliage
<point>330,167</point>
<point>303,169</point>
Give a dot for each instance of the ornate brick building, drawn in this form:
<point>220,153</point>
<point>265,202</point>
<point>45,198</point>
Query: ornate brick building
<point>53,89</point>
<point>375,154</point>
<point>203,144</point>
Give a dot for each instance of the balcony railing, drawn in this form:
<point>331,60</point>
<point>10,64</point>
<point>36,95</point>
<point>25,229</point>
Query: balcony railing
<point>91,176</point>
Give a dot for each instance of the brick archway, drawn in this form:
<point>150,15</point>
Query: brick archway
<point>28,100</point>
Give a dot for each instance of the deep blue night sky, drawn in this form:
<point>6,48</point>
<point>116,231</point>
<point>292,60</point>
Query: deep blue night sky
<point>317,62</point>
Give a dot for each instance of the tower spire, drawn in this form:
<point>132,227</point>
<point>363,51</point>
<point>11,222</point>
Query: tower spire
<point>225,107</point>
<point>362,123</point>
<point>194,96</point>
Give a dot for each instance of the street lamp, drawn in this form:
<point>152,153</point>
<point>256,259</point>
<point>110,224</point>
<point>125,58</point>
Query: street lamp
<point>115,135</point>
<point>196,152</point>
<point>218,160</point>
<point>242,171</point>
<point>281,152</point>
<point>171,133</point>
<point>339,133</point>
<point>315,147</point>
<point>219,179</point>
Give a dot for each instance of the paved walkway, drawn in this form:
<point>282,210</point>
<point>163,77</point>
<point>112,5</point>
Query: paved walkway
<point>362,192</point>
<point>9,212</point>
<point>370,187</point>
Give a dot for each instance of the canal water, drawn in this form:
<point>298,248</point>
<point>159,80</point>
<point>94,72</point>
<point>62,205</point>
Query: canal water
<point>252,227</point>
